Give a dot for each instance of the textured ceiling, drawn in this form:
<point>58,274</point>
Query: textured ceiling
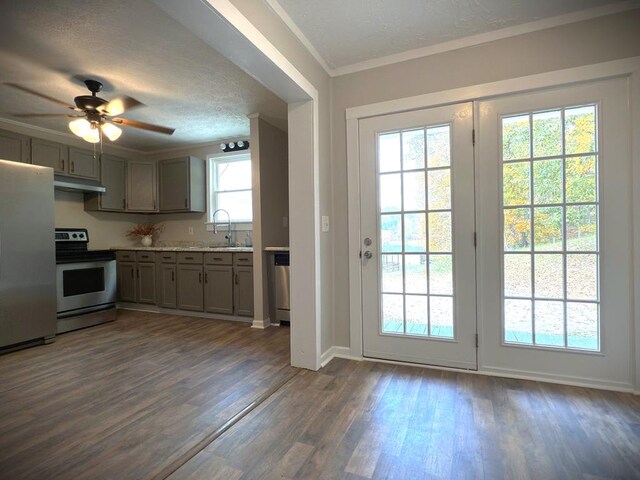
<point>135,49</point>
<point>345,32</point>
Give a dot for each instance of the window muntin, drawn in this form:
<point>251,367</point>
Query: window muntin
<point>415,226</point>
<point>550,224</point>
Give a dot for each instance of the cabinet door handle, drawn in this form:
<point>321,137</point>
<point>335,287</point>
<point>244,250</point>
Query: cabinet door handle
<point>124,204</point>
<point>138,272</point>
<point>236,279</point>
<point>185,203</point>
<point>72,166</point>
<point>173,277</point>
<point>200,277</point>
<point>243,259</point>
<point>217,259</point>
<point>132,273</point>
<point>62,165</point>
<point>206,278</point>
<point>154,204</point>
<point>188,258</point>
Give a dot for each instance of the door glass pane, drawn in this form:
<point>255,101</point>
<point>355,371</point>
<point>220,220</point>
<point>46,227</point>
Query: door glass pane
<point>416,257</point>
<point>516,183</point>
<point>440,231</point>
<point>517,284</point>
<point>547,181</point>
<point>417,314</point>
<point>391,274</point>
<point>390,189</point>
<point>580,129</point>
<point>547,134</point>
<point>547,228</point>
<point>413,149</point>
<point>440,189</point>
<point>415,268</point>
<point>560,199</point>
<point>392,313</point>
<point>391,233</point>
<point>414,191</point>
<point>389,152</point>
<point>439,146</point>
<point>516,138</point>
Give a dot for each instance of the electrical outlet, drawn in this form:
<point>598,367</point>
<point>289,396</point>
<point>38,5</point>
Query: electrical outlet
<point>325,223</point>
<point>190,230</point>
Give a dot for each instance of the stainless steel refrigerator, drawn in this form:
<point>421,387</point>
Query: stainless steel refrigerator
<point>27,254</point>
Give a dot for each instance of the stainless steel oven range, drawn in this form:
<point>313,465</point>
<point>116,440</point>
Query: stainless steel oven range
<point>86,281</point>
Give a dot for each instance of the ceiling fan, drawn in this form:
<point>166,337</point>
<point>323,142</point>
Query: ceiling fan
<point>95,115</point>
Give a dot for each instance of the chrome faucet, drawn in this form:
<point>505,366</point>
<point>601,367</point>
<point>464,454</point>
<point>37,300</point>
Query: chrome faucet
<point>215,225</point>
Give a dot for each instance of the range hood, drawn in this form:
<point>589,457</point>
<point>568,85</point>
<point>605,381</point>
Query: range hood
<point>72,184</point>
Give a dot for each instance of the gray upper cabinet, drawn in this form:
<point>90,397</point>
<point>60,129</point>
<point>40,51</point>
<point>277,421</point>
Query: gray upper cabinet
<point>83,163</point>
<point>15,147</point>
<point>182,185</point>
<point>141,186</point>
<point>50,154</point>
<point>114,178</point>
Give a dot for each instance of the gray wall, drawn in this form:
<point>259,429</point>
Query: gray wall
<point>593,41</point>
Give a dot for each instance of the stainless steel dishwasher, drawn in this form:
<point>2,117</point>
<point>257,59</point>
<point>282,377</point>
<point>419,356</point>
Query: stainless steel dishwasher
<point>282,286</point>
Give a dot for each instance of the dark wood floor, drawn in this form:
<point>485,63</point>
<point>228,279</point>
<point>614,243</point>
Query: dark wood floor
<point>356,420</point>
<point>125,400</point>
<point>138,398</point>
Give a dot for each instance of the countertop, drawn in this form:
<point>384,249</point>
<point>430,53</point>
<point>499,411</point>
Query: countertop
<point>187,249</point>
<point>276,249</point>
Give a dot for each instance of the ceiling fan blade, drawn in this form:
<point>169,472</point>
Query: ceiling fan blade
<point>43,115</point>
<point>144,126</point>
<point>41,95</point>
<point>119,105</point>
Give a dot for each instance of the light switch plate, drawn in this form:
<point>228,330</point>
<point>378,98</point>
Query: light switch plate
<point>325,223</point>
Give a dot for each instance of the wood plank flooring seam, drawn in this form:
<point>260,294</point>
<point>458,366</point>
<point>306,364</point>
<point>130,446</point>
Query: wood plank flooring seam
<point>209,439</point>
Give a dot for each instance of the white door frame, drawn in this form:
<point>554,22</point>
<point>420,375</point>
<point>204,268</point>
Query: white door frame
<point>628,67</point>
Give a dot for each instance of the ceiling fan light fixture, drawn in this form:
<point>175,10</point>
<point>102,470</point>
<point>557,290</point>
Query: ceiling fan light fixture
<point>92,135</point>
<point>80,126</point>
<point>111,131</point>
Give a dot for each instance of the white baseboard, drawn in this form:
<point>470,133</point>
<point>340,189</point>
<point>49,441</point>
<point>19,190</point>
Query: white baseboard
<point>337,352</point>
<point>262,324</point>
<point>184,313</point>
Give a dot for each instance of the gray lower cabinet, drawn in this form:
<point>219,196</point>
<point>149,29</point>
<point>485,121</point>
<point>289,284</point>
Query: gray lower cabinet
<point>15,147</point>
<point>126,281</point>
<point>182,185</point>
<point>218,289</point>
<point>190,292</point>
<point>243,291</point>
<point>167,280</point>
<point>83,163</point>
<point>141,186</point>
<point>146,275</point>
<point>50,154</point>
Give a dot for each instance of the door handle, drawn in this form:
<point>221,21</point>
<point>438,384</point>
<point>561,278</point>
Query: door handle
<point>367,242</point>
<point>199,278</point>
<point>368,255</point>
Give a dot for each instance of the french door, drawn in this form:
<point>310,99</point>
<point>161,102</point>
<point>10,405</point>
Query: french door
<point>554,230</point>
<point>550,201</point>
<point>417,224</point>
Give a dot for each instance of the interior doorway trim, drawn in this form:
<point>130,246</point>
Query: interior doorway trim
<point>627,67</point>
<point>221,25</point>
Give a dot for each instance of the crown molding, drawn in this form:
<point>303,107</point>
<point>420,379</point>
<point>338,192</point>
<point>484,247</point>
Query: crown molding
<point>457,44</point>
